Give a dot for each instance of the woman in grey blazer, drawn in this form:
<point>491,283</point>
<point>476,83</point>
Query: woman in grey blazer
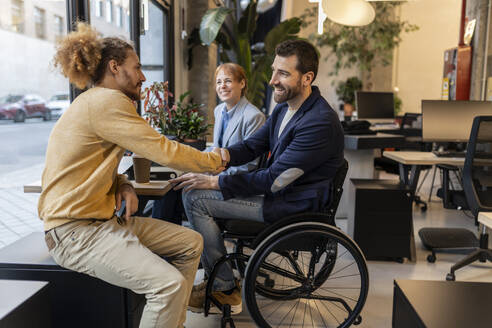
<point>235,119</point>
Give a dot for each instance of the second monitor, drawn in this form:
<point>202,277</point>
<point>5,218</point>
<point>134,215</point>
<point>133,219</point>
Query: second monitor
<point>451,121</point>
<point>375,106</point>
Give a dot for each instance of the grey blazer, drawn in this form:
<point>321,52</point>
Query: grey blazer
<point>246,120</point>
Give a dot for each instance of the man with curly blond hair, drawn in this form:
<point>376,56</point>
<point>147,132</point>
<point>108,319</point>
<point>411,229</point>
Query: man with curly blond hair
<point>82,190</point>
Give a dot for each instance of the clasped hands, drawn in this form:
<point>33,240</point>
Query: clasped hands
<point>224,154</point>
<point>191,181</point>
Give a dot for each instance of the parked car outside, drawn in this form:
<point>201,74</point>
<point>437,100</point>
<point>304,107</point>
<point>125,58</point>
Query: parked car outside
<point>20,107</point>
<point>58,103</point>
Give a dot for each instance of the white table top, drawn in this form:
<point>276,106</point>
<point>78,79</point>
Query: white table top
<point>422,158</point>
<point>485,218</point>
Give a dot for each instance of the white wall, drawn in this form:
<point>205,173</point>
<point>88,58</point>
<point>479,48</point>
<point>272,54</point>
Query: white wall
<point>419,60</point>
<point>25,65</point>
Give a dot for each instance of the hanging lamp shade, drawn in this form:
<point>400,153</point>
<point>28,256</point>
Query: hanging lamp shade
<point>349,12</point>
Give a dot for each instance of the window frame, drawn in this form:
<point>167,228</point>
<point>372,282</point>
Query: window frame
<point>109,11</point>
<point>79,10</point>
<point>40,27</point>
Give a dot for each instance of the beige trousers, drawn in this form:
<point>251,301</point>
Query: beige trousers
<point>129,256</point>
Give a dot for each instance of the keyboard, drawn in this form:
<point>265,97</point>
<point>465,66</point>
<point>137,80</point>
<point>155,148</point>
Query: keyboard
<point>447,153</point>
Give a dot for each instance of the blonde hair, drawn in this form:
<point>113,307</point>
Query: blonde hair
<point>83,55</point>
<point>236,71</point>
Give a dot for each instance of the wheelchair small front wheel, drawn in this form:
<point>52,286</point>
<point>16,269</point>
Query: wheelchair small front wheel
<point>326,286</point>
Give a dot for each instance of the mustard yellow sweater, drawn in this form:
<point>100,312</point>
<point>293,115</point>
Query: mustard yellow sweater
<point>85,148</point>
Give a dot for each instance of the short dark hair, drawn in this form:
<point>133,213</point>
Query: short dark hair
<point>307,56</point>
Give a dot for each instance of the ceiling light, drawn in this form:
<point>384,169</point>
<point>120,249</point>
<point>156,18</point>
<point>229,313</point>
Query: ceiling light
<point>349,12</point>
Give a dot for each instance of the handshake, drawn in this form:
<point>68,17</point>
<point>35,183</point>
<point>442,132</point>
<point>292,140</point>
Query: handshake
<point>224,154</point>
<point>191,180</point>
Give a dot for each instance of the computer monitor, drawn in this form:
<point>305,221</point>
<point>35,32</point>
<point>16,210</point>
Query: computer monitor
<point>451,121</point>
<point>375,106</point>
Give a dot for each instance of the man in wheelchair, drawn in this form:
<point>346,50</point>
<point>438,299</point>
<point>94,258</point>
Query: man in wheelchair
<point>305,140</point>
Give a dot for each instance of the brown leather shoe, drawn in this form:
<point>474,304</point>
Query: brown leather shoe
<point>197,300</point>
<point>234,300</point>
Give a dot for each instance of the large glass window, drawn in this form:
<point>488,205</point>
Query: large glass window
<point>155,47</point>
<point>32,96</point>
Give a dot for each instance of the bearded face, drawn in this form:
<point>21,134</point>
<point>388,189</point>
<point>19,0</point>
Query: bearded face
<point>286,79</point>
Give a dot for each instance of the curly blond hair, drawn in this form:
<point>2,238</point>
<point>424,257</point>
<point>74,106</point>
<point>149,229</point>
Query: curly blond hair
<point>83,55</point>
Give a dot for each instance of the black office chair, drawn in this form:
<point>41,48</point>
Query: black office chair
<point>303,259</point>
<point>477,183</point>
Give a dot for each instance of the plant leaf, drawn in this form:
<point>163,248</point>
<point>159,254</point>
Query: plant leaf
<point>247,23</point>
<point>211,23</point>
<point>288,29</point>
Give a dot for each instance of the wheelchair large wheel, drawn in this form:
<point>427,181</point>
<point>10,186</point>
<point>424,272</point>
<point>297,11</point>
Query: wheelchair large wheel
<point>324,285</point>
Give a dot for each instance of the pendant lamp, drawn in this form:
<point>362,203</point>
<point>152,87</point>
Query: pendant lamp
<point>349,12</point>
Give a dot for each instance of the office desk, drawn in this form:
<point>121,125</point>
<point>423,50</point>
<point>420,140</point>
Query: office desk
<point>25,304</point>
<point>411,162</point>
<point>441,304</point>
<point>360,151</point>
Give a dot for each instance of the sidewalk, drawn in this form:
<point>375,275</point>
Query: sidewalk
<point>18,216</point>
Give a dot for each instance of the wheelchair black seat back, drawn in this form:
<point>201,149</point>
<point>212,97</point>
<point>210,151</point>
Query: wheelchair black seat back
<point>300,271</point>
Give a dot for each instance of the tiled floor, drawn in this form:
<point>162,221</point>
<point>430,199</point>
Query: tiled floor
<point>18,217</point>
<point>377,312</point>
<point>18,211</point>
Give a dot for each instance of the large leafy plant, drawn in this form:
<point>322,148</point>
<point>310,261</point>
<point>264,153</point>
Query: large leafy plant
<point>182,119</point>
<point>233,36</point>
<point>362,46</point>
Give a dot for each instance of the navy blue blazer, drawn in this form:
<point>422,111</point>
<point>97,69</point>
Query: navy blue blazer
<point>302,163</point>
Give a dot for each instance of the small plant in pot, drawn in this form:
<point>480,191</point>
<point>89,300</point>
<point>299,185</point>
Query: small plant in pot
<point>181,121</point>
<point>346,93</point>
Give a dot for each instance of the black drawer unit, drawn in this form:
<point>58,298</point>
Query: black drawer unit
<point>77,300</point>
<point>382,218</point>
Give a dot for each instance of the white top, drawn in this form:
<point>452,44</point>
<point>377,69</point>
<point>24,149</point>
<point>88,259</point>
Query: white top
<point>485,218</point>
<point>287,117</point>
<point>422,158</point>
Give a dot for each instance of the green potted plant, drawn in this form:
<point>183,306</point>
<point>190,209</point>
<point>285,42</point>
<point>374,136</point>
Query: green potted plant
<point>181,121</point>
<point>233,35</point>
<point>361,46</point>
<point>346,93</point>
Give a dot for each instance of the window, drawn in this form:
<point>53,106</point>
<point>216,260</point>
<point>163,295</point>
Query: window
<point>109,11</point>
<point>155,49</point>
<point>58,26</point>
<point>39,22</point>
<point>99,8</point>
<point>26,71</point>
<point>119,16</point>
<point>116,25</point>
<point>17,10</point>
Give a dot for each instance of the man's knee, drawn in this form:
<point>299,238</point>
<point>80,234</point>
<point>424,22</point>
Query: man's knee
<point>189,197</point>
<point>175,286</point>
<point>195,243</point>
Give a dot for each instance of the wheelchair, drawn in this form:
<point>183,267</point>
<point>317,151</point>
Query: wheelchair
<point>299,271</point>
